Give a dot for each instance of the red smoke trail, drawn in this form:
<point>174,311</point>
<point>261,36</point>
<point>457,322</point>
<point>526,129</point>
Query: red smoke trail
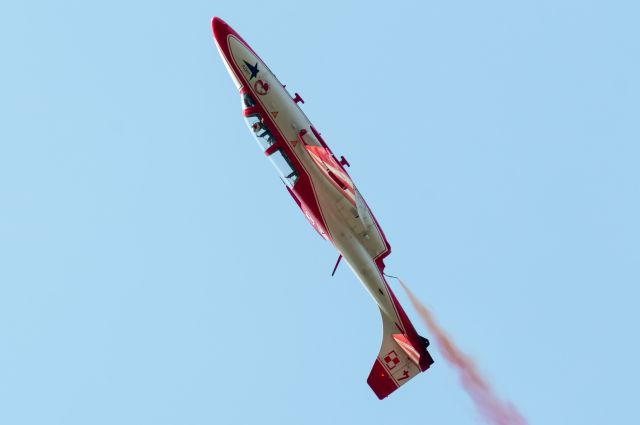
<point>492,409</point>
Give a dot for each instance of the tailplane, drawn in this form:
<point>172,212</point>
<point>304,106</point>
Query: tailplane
<point>398,361</point>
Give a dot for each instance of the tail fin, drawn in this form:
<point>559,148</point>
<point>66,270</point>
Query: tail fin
<point>397,362</point>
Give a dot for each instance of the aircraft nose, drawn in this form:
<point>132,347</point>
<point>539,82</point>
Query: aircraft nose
<point>216,22</point>
<point>220,28</point>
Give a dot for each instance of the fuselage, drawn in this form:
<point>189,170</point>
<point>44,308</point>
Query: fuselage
<point>315,178</point>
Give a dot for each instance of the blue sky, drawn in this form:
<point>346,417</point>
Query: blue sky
<point>153,270</point>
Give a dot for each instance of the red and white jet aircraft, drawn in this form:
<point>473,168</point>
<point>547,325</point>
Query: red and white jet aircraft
<point>325,193</point>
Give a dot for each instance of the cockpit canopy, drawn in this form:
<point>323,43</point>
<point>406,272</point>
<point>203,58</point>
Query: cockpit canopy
<point>268,142</point>
<point>284,166</point>
<point>260,131</point>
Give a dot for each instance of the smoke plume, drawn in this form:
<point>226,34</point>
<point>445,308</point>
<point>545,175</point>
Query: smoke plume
<point>490,407</point>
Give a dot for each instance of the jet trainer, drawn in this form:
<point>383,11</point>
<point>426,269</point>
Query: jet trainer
<point>320,185</point>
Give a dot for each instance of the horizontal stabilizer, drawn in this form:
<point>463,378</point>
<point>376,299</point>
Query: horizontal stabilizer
<point>398,361</point>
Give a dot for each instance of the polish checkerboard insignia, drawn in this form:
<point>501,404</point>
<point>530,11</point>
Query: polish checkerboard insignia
<point>391,359</point>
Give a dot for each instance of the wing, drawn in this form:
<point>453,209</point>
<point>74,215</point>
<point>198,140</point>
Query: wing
<point>397,361</point>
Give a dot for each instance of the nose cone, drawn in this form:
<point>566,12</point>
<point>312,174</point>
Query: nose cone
<point>233,49</point>
<point>220,29</point>
<point>223,34</point>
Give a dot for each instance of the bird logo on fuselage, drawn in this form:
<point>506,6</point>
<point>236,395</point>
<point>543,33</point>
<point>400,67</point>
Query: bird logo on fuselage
<point>253,69</point>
